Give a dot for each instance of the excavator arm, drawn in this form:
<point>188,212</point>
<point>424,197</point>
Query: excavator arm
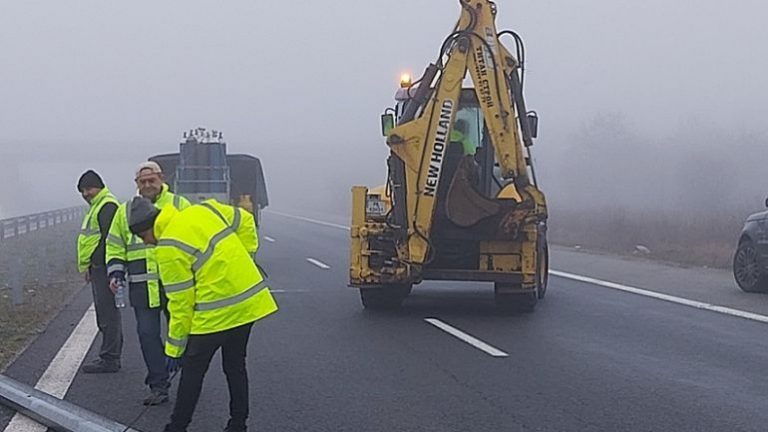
<point>421,143</point>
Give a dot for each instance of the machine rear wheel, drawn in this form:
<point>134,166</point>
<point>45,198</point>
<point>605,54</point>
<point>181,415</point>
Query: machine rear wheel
<point>513,302</point>
<point>386,297</point>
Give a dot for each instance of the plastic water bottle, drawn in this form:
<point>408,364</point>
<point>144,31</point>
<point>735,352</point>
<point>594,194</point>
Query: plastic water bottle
<point>120,295</point>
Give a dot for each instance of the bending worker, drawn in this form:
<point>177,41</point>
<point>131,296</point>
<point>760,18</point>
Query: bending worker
<point>215,294</point>
<point>130,260</point>
<point>91,261</point>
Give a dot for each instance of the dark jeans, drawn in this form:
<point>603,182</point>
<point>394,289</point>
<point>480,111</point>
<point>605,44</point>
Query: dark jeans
<point>149,330</point>
<point>200,350</point>
<point>107,316</point>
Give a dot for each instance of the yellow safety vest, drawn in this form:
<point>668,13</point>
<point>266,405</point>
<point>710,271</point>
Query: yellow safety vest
<point>127,253</point>
<point>208,272</point>
<point>89,237</point>
<point>467,144</point>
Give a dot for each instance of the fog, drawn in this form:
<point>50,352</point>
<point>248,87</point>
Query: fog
<point>645,106</point>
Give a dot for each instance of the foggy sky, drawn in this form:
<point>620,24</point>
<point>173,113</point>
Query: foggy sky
<point>104,85</point>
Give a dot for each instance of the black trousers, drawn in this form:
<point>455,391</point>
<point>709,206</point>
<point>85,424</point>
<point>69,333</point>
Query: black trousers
<point>107,316</point>
<point>200,351</point>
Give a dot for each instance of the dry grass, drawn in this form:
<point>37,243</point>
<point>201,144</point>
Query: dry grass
<point>40,268</point>
<point>693,238</point>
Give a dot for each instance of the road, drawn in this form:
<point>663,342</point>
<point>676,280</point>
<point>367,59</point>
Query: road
<point>589,359</point>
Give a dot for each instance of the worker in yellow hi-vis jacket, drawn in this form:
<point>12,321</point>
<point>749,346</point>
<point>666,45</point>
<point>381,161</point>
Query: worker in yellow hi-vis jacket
<point>215,293</point>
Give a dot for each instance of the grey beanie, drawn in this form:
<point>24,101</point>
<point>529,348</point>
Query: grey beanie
<point>142,215</point>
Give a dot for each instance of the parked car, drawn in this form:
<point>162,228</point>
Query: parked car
<point>750,264</point>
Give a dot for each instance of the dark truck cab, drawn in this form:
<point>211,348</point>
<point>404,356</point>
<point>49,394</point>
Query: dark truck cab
<point>244,174</point>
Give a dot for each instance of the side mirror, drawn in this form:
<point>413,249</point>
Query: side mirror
<point>387,123</point>
<point>533,124</point>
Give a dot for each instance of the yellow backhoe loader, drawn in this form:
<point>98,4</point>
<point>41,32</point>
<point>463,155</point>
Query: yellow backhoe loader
<point>461,201</point>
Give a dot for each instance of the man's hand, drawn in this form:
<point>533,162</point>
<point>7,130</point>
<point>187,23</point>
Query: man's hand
<point>115,278</point>
<point>172,365</point>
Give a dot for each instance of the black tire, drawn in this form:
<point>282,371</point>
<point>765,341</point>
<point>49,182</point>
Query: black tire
<point>747,269</point>
<point>543,276</point>
<point>515,302</point>
<point>387,297</point>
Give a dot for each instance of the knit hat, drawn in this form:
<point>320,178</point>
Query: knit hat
<point>89,179</point>
<point>143,215</point>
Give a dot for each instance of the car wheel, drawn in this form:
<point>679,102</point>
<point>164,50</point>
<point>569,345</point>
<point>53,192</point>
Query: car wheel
<point>747,269</point>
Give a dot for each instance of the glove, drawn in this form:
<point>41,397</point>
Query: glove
<point>172,365</point>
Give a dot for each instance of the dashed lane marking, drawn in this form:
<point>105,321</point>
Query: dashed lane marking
<point>475,342</point>
<point>269,239</point>
<point>320,264</point>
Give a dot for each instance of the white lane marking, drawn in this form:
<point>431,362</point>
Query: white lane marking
<point>475,342</point>
<point>314,221</point>
<point>665,297</point>
<point>269,239</point>
<point>282,291</point>
<point>62,370</point>
<point>320,264</point>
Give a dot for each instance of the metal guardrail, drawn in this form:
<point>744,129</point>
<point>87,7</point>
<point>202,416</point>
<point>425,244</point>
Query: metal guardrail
<point>18,226</point>
<point>57,414</point>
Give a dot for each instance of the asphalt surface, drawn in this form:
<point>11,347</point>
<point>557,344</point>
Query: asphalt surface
<point>589,358</point>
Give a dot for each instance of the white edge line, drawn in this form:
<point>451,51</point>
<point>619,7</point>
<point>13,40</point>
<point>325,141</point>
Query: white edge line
<point>320,264</point>
<point>475,342</point>
<point>62,370</point>
<point>269,239</point>
<point>665,297</point>
<point>652,294</point>
<point>314,221</point>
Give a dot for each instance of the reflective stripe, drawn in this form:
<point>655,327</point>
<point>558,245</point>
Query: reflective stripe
<point>216,211</point>
<point>143,277</point>
<point>232,300</point>
<point>115,267</point>
<point>179,245</point>
<point>172,288</point>
<point>116,240</point>
<point>88,232</point>
<point>202,259</point>
<point>137,247</point>
<point>180,343</point>
<point>236,221</point>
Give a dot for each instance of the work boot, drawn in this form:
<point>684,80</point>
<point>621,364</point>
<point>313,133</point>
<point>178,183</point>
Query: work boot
<point>235,427</point>
<point>156,397</point>
<point>99,366</point>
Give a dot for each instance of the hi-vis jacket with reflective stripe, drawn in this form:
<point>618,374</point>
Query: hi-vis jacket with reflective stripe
<point>206,266</point>
<point>89,237</point>
<point>127,253</point>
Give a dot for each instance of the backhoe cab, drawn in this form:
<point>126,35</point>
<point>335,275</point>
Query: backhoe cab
<point>461,200</point>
